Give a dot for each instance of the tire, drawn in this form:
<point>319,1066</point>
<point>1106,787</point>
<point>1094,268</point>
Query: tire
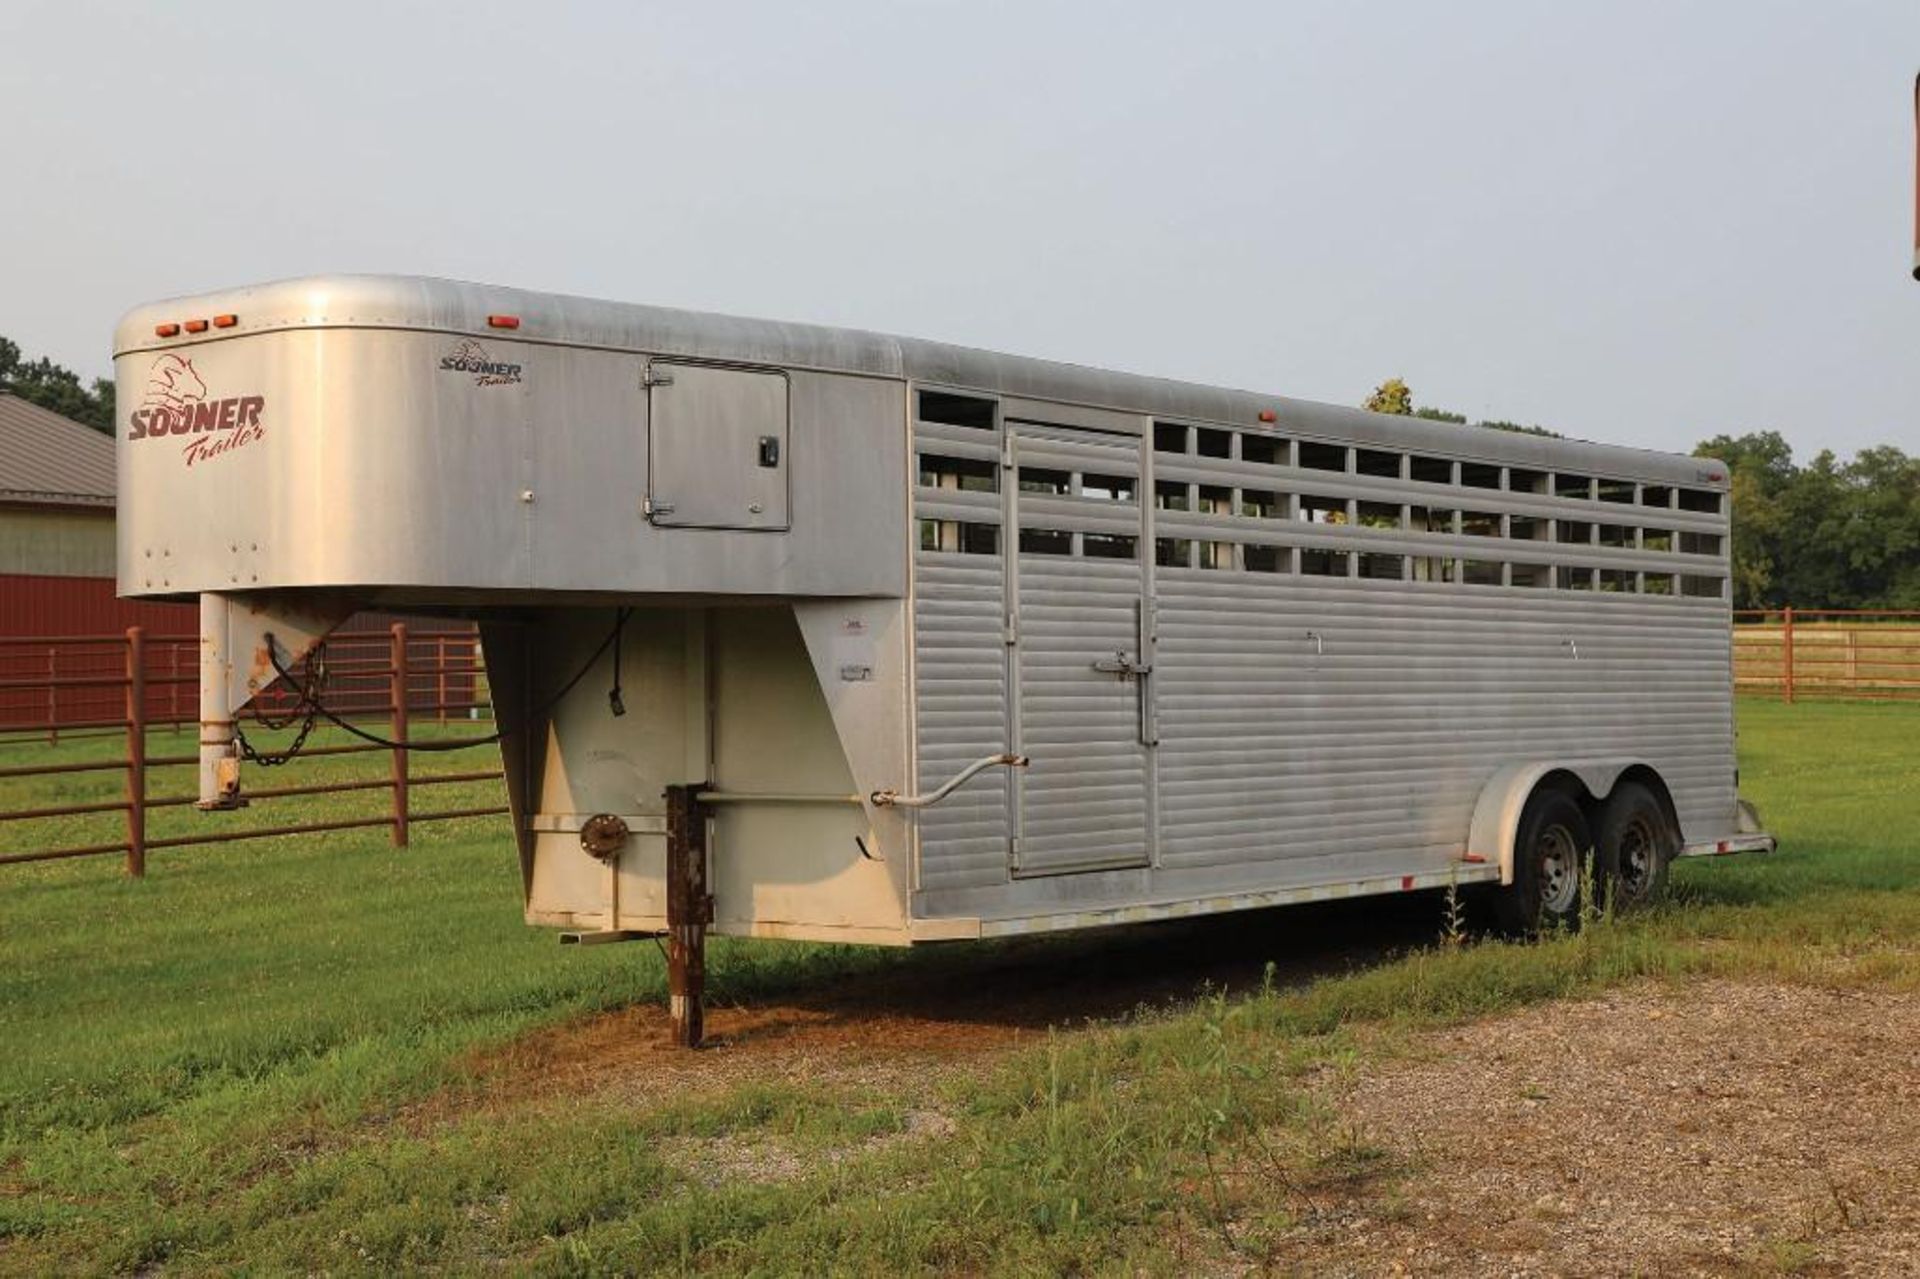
<point>1636,846</point>
<point>1550,850</point>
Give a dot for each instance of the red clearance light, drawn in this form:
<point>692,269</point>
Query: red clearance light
<point>1268,415</point>
<point>503,321</point>
<point>225,321</point>
<point>196,326</point>
<point>166,330</point>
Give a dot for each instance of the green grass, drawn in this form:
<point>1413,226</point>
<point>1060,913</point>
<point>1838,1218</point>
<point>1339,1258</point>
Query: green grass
<point>254,1059</point>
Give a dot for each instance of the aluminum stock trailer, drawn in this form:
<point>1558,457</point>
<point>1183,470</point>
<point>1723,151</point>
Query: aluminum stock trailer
<point>814,633</point>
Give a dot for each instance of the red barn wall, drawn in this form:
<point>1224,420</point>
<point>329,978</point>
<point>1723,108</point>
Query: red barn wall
<point>69,609</point>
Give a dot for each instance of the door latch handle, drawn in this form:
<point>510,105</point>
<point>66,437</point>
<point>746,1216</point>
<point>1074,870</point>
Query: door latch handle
<point>1122,665</point>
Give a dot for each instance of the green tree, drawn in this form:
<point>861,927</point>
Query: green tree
<point>59,389</point>
<point>1761,468</point>
<point>1829,534</point>
<point>1518,429</point>
<point>1391,396</point>
<point>1396,397</point>
<point>1883,528</point>
<point>1763,454</point>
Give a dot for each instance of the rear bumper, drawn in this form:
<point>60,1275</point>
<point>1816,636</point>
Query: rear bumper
<point>1736,844</point>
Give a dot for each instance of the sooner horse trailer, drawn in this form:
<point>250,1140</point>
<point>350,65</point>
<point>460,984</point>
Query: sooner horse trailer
<point>812,633</point>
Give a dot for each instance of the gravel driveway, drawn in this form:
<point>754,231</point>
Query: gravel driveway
<point>1717,1128</point>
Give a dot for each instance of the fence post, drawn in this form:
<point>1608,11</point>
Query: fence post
<point>399,734</point>
<point>440,656</point>
<point>136,752</point>
<point>1786,652</point>
<point>53,696</point>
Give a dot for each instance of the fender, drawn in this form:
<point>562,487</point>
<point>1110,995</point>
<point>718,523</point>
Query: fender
<point>1496,815</point>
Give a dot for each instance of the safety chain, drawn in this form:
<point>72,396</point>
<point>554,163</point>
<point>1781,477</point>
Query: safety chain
<point>309,708</point>
<point>308,702</point>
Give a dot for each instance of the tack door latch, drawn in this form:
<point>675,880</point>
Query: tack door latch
<point>1123,664</point>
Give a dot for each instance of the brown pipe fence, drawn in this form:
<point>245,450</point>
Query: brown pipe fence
<point>1793,653</point>
<point>130,684</point>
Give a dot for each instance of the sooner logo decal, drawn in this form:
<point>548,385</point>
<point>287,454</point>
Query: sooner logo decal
<point>471,357</point>
<point>176,403</point>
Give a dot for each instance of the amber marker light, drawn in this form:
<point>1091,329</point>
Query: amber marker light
<point>225,321</point>
<point>1268,415</point>
<point>196,326</point>
<point>503,321</point>
<point>166,330</point>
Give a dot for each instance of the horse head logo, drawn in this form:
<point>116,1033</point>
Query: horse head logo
<point>173,385</point>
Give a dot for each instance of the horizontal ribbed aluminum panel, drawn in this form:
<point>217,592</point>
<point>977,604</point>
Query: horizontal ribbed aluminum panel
<point>1303,718</point>
<point>1083,799</point>
<point>961,701</point>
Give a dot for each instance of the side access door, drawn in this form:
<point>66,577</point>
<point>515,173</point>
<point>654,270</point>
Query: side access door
<point>1080,631</point>
<point>716,446</point>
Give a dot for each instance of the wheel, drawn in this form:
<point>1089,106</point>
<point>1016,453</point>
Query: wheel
<point>1635,847</point>
<point>1550,850</point>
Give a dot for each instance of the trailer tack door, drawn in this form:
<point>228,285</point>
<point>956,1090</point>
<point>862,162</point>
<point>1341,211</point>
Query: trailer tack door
<point>1081,674</point>
<point>717,447</point>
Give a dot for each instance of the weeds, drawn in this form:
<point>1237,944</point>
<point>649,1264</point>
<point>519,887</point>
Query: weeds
<point>1453,914</point>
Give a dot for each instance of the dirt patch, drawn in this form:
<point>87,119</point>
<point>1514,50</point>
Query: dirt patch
<point>934,1013</point>
<point>1715,1129</point>
<point>717,1161</point>
<point>629,1051</point>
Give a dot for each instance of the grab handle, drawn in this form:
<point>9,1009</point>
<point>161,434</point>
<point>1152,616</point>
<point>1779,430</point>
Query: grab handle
<point>893,799</point>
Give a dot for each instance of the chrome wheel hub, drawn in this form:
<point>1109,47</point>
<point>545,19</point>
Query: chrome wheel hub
<point>1559,871</point>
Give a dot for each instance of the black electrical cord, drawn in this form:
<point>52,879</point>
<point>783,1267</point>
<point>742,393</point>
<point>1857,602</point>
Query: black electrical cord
<point>310,695</point>
<point>614,701</point>
<point>619,624</point>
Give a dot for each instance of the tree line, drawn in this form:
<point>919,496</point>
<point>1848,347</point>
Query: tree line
<point>1829,533</point>
<point>60,389</point>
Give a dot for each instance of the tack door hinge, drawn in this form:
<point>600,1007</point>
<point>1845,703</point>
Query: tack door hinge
<point>651,379</point>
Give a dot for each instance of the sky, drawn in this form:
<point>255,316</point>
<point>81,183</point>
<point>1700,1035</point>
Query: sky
<point>1642,223</point>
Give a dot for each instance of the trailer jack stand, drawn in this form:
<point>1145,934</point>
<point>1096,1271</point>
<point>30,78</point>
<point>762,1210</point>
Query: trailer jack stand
<point>689,911</point>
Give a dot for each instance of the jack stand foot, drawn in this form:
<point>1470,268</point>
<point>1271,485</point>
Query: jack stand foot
<point>689,911</point>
